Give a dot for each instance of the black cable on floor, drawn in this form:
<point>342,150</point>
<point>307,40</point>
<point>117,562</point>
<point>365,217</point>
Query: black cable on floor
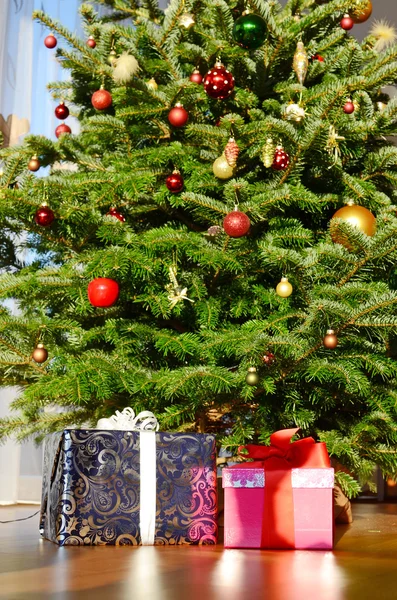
<point>24,519</point>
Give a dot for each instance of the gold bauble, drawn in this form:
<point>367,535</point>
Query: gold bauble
<point>284,288</point>
<point>112,57</point>
<point>34,164</point>
<point>152,84</point>
<point>330,340</point>
<point>252,377</point>
<point>40,354</point>
<point>361,10</point>
<point>355,215</point>
<point>222,169</point>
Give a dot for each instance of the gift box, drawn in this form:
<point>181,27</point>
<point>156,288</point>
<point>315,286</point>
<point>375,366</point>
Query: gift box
<point>283,499</point>
<point>121,487</point>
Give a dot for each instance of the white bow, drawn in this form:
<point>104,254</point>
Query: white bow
<point>127,421</point>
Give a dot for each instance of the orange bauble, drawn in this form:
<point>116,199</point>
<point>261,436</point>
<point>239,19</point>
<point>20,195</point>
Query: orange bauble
<point>355,215</point>
<point>361,11</point>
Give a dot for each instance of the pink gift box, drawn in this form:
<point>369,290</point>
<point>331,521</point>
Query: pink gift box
<point>245,498</point>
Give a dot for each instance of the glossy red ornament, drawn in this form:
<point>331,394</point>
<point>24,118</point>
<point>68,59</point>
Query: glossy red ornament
<point>101,99</point>
<point>196,77</point>
<point>178,116</point>
<point>174,182</point>
<point>348,107</point>
<point>62,129</point>
<point>281,159</point>
<point>219,82</point>
<point>61,111</point>
<point>44,216</point>
<point>50,41</point>
<point>103,292</point>
<point>316,57</point>
<point>347,23</point>
<point>91,43</point>
<point>236,224</point>
<point>113,212</point>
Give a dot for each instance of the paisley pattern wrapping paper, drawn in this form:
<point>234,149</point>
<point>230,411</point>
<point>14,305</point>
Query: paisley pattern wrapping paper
<point>91,483</point>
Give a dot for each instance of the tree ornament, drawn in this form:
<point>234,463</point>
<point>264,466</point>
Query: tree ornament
<point>348,107</point>
<point>236,224</point>
<point>221,168</point>
<point>101,99</point>
<point>249,31</point>
<point>91,43</point>
<point>294,112</point>
<point>361,10</point>
<point>280,159</point>
<point>284,288</point>
<point>113,212</point>
<point>125,67</point>
<point>355,215</point>
<point>40,354</point>
<point>112,57</point>
<point>34,164</point>
<point>330,340</point>
<point>219,82</point>
<point>268,151</point>
<point>268,358</point>
<point>231,152</point>
<point>196,77</point>
<point>316,57</point>
<point>176,292</point>
<point>187,20</point>
<point>61,111</point>
<point>214,230</point>
<point>178,116</point>
<point>62,129</point>
<point>381,106</point>
<point>347,23</point>
<point>103,292</point>
<point>384,34</point>
<point>252,377</point>
<point>44,216</point>
<point>174,182</point>
<point>301,62</point>
<point>50,41</point>
<point>152,84</point>
<point>332,145</point>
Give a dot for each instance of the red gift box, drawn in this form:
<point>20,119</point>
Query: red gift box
<point>283,499</point>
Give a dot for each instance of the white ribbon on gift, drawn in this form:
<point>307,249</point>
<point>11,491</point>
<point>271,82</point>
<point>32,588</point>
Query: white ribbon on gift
<point>146,424</point>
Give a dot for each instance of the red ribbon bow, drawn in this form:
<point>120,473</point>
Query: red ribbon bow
<point>278,460</point>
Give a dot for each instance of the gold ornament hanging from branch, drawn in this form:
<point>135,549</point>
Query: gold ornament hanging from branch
<point>332,145</point>
<point>267,154</point>
<point>357,216</point>
<point>295,112</point>
<point>176,292</point>
<point>301,62</point>
<point>231,152</point>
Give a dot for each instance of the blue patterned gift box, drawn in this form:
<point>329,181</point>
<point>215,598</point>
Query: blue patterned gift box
<point>92,488</point>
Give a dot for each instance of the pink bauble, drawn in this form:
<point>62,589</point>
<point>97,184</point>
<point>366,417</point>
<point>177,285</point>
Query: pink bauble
<point>50,41</point>
<point>347,23</point>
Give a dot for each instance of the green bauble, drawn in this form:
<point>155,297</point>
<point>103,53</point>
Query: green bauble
<point>249,31</point>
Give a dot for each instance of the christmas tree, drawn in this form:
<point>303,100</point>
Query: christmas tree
<point>218,243</point>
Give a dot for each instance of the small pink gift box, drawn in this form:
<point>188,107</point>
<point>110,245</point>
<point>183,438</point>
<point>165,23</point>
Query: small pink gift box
<point>296,513</point>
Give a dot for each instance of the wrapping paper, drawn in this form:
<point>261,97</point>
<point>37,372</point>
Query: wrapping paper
<point>91,488</point>
<point>284,500</point>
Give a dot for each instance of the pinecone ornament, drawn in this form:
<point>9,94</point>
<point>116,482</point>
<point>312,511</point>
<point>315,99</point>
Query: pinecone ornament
<point>231,152</point>
<point>268,151</point>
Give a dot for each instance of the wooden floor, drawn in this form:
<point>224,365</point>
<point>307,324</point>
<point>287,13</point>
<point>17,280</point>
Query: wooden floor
<point>362,566</point>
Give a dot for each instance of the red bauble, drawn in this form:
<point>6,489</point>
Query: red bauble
<point>61,111</point>
<point>348,107</point>
<point>281,159</point>
<point>196,77</point>
<point>50,41</point>
<point>174,182</point>
<point>91,43</point>
<point>101,99</point>
<point>62,129</point>
<point>44,216</point>
<point>178,116</point>
<point>113,212</point>
<point>219,82</point>
<point>103,292</point>
<point>347,23</point>
<point>268,358</point>
<point>236,224</point>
